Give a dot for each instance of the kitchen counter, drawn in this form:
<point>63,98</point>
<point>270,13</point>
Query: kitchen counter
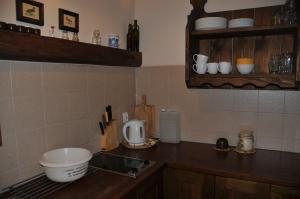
<point>272,167</point>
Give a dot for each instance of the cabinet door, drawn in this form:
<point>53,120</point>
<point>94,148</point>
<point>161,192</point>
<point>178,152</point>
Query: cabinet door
<point>278,192</point>
<point>180,184</point>
<point>228,188</point>
<point>151,188</point>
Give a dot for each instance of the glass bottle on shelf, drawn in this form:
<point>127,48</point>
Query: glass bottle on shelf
<point>136,36</point>
<point>290,16</point>
<point>129,38</point>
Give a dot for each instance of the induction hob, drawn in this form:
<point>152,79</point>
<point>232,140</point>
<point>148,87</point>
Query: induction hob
<point>120,164</point>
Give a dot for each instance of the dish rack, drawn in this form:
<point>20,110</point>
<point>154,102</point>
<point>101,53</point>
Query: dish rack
<point>37,187</point>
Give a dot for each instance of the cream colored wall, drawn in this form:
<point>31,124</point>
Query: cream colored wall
<point>163,26</point>
<point>109,16</point>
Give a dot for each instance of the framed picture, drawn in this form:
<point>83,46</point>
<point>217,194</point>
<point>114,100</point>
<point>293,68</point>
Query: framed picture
<point>68,20</point>
<point>30,11</point>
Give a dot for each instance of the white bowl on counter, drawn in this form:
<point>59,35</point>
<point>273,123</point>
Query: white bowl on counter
<point>210,23</point>
<point>245,69</point>
<point>240,23</point>
<point>66,164</point>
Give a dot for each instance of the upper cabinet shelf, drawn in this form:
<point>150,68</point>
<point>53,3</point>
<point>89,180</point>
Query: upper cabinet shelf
<point>262,43</point>
<point>26,47</point>
<point>246,32</point>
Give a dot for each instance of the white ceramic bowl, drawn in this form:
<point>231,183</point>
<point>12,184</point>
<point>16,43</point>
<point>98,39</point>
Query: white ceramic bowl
<point>240,22</point>
<point>66,164</point>
<point>210,23</point>
<point>245,68</point>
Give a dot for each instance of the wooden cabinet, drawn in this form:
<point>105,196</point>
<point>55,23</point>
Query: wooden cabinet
<point>256,42</point>
<point>229,188</point>
<point>279,192</point>
<point>180,184</point>
<point>151,188</point>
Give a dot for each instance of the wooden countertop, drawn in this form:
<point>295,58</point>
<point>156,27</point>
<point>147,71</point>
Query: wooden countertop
<point>273,167</point>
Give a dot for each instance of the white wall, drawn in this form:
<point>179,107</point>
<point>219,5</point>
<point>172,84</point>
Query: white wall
<point>163,26</point>
<point>110,16</point>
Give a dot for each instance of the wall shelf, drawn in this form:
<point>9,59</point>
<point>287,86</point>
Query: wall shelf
<point>237,80</point>
<point>259,42</point>
<point>246,32</point>
<point>27,47</point>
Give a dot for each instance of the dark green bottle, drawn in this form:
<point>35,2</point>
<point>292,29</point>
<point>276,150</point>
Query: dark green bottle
<point>136,36</point>
<point>129,38</point>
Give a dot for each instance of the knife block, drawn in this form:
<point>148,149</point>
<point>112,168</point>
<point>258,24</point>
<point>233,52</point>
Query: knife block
<point>109,140</point>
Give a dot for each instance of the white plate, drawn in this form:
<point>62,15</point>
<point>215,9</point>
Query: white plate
<point>241,22</point>
<point>210,23</point>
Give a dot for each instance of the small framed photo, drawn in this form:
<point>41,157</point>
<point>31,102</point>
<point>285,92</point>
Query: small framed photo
<point>30,11</point>
<point>68,20</point>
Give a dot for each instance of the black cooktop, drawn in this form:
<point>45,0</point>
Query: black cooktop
<point>120,164</point>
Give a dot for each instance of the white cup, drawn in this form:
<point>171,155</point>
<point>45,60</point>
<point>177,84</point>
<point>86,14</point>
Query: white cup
<point>225,67</point>
<point>199,58</point>
<point>200,68</point>
<point>212,68</point>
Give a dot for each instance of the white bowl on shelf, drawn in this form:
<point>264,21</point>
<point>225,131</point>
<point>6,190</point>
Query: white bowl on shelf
<point>210,23</point>
<point>66,164</point>
<point>245,69</point>
<point>241,22</point>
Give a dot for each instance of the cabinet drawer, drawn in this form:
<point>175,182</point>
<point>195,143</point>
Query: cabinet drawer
<point>279,192</point>
<point>180,184</point>
<point>235,189</point>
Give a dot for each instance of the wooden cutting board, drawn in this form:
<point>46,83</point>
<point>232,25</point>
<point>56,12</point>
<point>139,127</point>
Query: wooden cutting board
<point>147,113</point>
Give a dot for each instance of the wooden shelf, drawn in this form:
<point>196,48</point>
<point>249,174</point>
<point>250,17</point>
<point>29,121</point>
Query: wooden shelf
<point>27,47</point>
<point>247,31</point>
<point>238,80</point>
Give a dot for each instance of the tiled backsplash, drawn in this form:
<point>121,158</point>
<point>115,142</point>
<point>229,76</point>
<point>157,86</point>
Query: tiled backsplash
<point>208,114</point>
<point>45,106</point>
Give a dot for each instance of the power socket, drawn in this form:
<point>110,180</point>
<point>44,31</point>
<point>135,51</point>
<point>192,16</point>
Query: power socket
<point>125,117</point>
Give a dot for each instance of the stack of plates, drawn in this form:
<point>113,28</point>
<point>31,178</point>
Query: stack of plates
<point>241,22</point>
<point>210,23</point>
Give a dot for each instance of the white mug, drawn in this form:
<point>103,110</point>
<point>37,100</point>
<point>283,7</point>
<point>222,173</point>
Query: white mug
<point>200,68</point>
<point>199,58</point>
<point>212,68</point>
<point>225,67</point>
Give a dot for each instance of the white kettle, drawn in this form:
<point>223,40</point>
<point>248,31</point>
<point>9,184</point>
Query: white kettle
<point>136,133</point>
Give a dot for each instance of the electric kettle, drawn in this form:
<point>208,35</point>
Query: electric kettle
<point>136,132</point>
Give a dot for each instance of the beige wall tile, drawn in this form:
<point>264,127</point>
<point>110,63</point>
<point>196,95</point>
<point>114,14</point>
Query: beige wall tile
<point>27,78</point>
<point>31,146</point>
<point>6,107</point>
<point>222,100</point>
<point>56,107</point>
<point>77,105</point>
<point>57,136</point>
<point>8,154</point>
<point>55,77</point>
<point>8,127</point>
<point>269,143</point>
<point>8,178</point>
<point>270,125</point>
<point>29,113</point>
<point>5,79</point>
<point>79,132</point>
<point>30,170</point>
<point>246,100</point>
<point>291,131</point>
<point>271,101</point>
<point>292,102</point>
<point>76,76</point>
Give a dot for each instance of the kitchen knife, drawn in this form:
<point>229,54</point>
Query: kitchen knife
<point>109,113</point>
<point>103,120</point>
<point>101,127</point>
